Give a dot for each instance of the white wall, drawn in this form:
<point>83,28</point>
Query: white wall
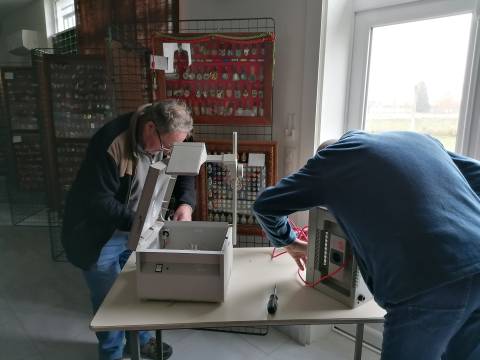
<point>30,17</point>
<point>292,80</point>
<point>298,56</point>
<point>361,5</point>
<point>311,68</point>
<point>338,48</point>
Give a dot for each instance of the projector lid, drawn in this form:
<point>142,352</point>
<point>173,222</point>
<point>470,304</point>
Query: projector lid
<point>153,204</point>
<point>187,158</point>
<point>22,41</point>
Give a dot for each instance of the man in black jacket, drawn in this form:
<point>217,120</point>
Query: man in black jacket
<point>100,207</point>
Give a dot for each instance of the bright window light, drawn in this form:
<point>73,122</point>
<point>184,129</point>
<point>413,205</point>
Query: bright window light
<point>416,77</point>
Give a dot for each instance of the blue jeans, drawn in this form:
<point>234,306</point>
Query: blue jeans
<point>100,278</point>
<point>443,323</point>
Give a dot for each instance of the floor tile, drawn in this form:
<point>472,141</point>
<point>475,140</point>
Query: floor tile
<point>5,216</point>
<point>332,347</point>
<point>215,345</point>
<point>174,337</point>
<point>14,339</point>
<point>269,342</point>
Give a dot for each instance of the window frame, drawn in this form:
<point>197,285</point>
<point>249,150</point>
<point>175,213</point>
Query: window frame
<point>60,18</point>
<point>468,134</point>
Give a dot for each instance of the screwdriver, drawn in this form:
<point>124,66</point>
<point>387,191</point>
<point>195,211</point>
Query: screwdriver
<point>272,302</point>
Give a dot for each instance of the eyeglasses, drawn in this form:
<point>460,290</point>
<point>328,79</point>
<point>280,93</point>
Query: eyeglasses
<point>165,149</point>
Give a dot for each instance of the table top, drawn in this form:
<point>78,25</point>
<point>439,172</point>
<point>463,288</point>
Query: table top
<point>254,275</point>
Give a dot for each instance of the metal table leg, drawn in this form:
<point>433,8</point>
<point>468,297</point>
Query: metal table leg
<point>159,344</point>
<point>134,345</point>
<point>359,342</point>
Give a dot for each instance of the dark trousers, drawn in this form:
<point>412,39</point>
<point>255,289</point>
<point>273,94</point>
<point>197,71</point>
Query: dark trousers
<point>443,323</point>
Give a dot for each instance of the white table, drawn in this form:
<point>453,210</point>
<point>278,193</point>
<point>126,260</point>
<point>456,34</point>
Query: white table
<point>254,275</point>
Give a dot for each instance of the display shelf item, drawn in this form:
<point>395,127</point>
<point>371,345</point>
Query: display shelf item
<point>4,143</point>
<point>20,92</point>
<point>215,195</point>
<point>80,100</point>
<point>224,78</point>
<point>70,155</point>
<point>28,162</point>
<point>4,134</point>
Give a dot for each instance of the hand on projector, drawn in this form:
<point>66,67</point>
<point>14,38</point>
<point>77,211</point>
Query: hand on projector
<point>298,251</point>
<point>183,213</point>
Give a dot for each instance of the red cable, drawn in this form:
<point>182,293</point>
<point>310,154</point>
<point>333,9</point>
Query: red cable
<point>302,234</point>
<point>276,255</point>
<point>315,283</point>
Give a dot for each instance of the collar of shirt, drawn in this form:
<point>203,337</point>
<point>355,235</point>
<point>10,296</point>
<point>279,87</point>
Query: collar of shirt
<point>154,157</point>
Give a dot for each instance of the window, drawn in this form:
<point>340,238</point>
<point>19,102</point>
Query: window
<point>64,15</point>
<point>416,77</point>
<point>411,68</point>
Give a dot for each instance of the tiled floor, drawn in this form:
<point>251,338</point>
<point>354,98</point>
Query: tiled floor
<point>44,315</point>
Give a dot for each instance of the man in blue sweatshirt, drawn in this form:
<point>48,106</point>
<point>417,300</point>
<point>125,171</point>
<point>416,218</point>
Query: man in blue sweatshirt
<point>411,211</point>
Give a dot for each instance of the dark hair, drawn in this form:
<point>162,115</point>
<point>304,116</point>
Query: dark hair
<point>170,115</point>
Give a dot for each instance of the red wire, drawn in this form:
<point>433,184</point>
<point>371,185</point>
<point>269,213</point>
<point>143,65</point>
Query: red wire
<point>315,283</point>
<point>276,255</point>
<point>302,234</point>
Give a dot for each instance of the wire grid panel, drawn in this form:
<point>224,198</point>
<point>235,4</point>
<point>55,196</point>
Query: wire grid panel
<point>4,134</point>
<point>26,173</point>
<point>4,139</point>
<point>165,13</point>
<point>70,155</point>
<point>55,229</point>
<point>242,25</point>
<point>20,97</point>
<point>219,132</point>
<point>65,42</point>
<point>78,94</point>
<point>137,35</point>
<point>28,162</point>
<point>248,330</point>
<point>128,77</point>
<point>265,24</point>
<point>245,240</point>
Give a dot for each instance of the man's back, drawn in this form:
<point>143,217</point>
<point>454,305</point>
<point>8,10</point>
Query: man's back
<point>410,214</point>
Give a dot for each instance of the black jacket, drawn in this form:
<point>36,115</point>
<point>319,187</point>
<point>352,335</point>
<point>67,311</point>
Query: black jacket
<point>97,203</point>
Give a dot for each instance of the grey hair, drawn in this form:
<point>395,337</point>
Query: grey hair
<point>170,115</point>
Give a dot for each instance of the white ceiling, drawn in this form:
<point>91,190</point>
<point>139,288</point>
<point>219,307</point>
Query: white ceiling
<point>7,6</point>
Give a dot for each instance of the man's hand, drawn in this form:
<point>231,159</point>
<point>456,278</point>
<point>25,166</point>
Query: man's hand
<point>298,251</point>
<point>183,213</point>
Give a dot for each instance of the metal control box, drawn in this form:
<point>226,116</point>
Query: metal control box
<point>328,251</point>
<point>177,260</point>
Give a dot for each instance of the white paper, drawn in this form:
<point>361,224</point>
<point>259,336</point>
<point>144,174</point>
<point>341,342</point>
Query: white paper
<point>9,76</point>
<point>16,139</point>
<point>158,62</point>
<point>255,159</point>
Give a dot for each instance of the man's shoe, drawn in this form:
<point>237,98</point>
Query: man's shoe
<point>149,350</point>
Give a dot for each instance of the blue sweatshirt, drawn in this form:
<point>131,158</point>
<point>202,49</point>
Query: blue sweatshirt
<point>410,209</point>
